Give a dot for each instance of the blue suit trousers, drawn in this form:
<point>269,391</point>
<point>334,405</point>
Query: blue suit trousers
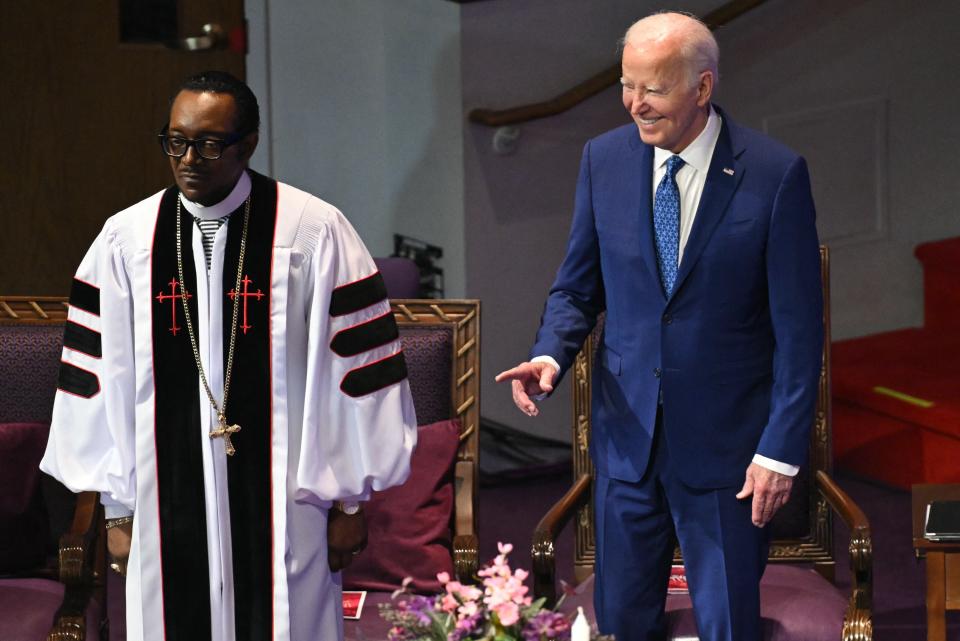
<point>637,526</point>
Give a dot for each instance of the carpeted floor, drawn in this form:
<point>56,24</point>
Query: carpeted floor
<point>510,511</point>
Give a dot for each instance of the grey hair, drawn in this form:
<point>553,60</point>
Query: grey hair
<point>698,48</point>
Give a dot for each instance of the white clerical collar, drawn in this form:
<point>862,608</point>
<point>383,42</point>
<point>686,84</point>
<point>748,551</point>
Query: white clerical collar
<point>223,208</point>
<point>699,152</point>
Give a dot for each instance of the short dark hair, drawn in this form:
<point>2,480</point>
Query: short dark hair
<point>248,110</point>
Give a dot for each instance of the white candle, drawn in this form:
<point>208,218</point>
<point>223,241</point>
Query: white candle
<point>581,629</point>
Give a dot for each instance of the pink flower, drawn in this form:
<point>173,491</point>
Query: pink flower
<point>448,603</point>
<point>508,613</point>
<point>443,577</point>
<point>470,593</point>
<point>504,591</point>
<point>403,588</point>
<point>453,587</point>
<point>468,609</point>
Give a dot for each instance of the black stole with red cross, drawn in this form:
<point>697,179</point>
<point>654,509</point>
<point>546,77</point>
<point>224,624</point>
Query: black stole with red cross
<point>179,435</point>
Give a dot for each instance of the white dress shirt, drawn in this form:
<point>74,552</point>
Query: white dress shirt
<point>691,178</point>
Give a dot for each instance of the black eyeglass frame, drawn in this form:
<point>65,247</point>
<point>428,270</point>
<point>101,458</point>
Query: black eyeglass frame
<point>232,139</point>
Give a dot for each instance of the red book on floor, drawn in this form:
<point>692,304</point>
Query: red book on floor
<point>678,580</point>
<point>353,603</point>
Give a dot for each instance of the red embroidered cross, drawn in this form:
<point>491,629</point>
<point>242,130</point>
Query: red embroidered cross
<point>245,294</point>
<point>172,297</point>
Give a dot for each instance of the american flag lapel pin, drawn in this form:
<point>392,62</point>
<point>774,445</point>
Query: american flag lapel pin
<point>728,171</point>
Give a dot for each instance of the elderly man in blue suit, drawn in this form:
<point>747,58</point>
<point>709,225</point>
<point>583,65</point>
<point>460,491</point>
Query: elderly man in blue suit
<point>696,236</point>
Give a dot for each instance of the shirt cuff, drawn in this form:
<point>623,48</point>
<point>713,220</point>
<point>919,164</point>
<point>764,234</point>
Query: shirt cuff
<point>776,466</point>
<point>549,360</point>
<point>112,509</point>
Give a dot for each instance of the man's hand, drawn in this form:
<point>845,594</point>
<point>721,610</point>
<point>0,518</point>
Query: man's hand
<point>346,537</point>
<point>529,379</point>
<point>118,545</point>
<point>770,490</point>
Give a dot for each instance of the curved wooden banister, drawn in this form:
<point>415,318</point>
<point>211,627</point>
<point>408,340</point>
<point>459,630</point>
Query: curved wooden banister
<point>595,84</point>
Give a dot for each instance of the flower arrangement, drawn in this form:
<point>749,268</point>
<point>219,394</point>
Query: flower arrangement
<point>497,610</point>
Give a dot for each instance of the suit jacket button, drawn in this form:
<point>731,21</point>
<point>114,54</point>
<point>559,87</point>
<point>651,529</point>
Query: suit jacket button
<point>656,372</point>
<point>667,319</point>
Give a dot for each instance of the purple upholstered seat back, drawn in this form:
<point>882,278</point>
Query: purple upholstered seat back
<point>29,362</point>
<point>429,354</point>
<point>401,276</point>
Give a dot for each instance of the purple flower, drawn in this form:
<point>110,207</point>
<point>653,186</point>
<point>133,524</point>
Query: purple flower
<point>547,625</point>
<point>466,627</point>
<point>418,606</point>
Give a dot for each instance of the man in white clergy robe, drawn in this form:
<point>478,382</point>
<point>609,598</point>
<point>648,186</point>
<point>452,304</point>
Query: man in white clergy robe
<point>233,385</point>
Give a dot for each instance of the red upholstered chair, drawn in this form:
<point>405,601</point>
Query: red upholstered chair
<point>798,599</point>
<point>428,525</point>
<point>47,590</point>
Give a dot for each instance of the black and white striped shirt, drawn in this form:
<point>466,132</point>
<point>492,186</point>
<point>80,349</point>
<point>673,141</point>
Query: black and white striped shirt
<point>208,229</point>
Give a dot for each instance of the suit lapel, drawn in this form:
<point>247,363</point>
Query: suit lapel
<point>639,203</point>
<point>717,192</point>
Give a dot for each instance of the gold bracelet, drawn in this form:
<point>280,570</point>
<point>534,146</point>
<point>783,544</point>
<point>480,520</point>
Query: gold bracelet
<point>123,520</point>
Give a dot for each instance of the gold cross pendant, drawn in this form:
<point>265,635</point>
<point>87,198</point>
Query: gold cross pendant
<point>224,431</point>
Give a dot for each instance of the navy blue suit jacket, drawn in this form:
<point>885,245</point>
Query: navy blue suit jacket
<point>735,351</point>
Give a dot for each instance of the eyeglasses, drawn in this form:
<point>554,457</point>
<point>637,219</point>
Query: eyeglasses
<point>207,148</point>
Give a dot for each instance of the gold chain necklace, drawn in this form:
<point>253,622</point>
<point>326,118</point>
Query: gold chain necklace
<point>223,430</point>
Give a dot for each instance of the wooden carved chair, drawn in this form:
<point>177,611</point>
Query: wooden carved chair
<point>793,598</point>
<point>441,343</point>
<point>45,592</point>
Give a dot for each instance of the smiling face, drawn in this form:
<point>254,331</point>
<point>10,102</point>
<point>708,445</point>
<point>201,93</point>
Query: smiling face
<point>205,114</point>
<point>669,109</point>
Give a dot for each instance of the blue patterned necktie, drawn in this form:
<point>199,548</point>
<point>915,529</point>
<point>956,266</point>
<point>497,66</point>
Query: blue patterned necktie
<point>666,223</point>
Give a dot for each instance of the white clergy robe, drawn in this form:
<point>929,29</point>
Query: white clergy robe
<point>231,548</point>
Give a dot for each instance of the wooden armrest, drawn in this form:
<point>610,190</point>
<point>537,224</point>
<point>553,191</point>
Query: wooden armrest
<point>466,546</point>
<point>466,558</point>
<point>464,498</point>
<point>543,551</point>
<point>79,552</point>
<point>857,623</point>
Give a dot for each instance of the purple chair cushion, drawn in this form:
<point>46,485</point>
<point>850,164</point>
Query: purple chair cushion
<point>796,604</point>
<point>24,528</point>
<point>409,525</point>
<point>27,607</point>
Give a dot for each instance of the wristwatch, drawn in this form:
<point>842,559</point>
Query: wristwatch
<point>348,507</point>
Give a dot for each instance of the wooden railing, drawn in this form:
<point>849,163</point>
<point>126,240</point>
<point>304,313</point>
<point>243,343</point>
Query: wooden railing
<point>595,84</point>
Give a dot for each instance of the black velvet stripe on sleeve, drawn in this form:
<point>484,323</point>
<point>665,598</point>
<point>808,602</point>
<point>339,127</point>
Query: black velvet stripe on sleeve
<point>82,339</point>
<point>375,376</point>
<point>358,295</point>
<point>85,296</point>
<point>80,382</point>
<point>365,336</point>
